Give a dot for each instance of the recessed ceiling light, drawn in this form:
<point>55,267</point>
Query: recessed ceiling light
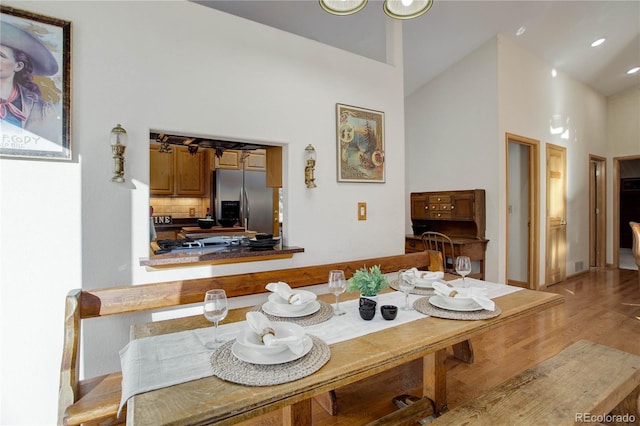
<point>521,31</point>
<point>633,70</point>
<point>598,42</point>
<point>554,73</point>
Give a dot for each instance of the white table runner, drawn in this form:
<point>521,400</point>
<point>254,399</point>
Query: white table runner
<point>159,361</point>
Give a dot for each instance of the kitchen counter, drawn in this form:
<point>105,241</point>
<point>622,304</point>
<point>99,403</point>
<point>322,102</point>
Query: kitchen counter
<point>217,255</point>
<point>197,232</point>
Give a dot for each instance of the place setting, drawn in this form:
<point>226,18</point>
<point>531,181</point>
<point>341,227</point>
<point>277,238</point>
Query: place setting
<point>300,307</point>
<point>416,281</point>
<point>451,302</point>
<point>266,353</point>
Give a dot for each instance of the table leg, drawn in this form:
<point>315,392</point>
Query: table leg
<point>328,401</point>
<point>434,379</point>
<point>464,351</point>
<point>298,414</point>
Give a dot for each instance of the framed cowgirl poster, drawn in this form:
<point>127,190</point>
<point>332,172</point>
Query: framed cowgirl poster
<point>35,66</point>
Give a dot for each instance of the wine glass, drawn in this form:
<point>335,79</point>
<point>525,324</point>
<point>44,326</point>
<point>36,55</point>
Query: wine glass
<point>215,310</point>
<point>463,267</point>
<point>337,286</point>
<point>406,286</point>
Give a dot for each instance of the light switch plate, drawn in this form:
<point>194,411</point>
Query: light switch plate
<point>362,211</point>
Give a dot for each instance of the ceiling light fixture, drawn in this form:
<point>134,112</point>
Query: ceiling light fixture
<point>633,70</point>
<point>521,31</point>
<point>398,9</point>
<point>598,42</point>
<point>406,9</point>
<point>342,7</point>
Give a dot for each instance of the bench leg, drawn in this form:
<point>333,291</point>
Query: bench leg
<point>464,351</point>
<point>298,414</point>
<point>630,405</point>
<point>328,401</point>
<point>434,380</point>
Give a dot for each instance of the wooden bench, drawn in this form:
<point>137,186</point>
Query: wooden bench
<point>95,400</point>
<point>584,380</point>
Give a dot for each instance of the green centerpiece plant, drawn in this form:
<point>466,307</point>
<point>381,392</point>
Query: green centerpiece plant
<point>368,282</point>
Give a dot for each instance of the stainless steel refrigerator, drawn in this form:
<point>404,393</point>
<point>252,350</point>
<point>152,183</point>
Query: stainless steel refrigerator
<point>256,207</point>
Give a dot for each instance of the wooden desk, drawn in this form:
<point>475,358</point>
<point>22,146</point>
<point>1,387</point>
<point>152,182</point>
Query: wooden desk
<point>211,400</point>
<point>475,248</point>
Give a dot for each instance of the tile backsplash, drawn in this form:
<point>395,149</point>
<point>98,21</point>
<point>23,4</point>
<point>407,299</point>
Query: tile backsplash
<point>179,207</point>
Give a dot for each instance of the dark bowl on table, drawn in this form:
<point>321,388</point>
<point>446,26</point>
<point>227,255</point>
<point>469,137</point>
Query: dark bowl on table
<point>206,223</point>
<point>227,223</point>
<point>262,236</point>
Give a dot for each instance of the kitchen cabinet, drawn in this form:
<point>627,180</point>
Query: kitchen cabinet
<point>161,171</point>
<point>190,172</point>
<point>458,214</point>
<point>230,160</point>
<point>177,172</point>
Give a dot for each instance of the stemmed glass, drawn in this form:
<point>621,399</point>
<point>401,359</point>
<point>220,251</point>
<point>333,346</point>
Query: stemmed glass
<point>215,310</point>
<point>463,267</point>
<point>337,286</point>
<point>406,286</point>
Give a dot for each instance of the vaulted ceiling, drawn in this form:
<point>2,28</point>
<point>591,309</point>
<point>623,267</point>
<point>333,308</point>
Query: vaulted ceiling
<point>559,32</point>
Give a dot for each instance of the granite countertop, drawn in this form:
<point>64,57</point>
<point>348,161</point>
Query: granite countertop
<point>225,254</point>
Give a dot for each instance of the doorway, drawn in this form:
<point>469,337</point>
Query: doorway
<point>523,203</point>
<point>556,259</point>
<point>597,211</point>
<point>626,208</point>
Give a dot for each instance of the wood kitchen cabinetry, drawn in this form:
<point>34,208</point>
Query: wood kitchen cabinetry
<point>458,214</point>
<point>230,160</point>
<point>178,172</point>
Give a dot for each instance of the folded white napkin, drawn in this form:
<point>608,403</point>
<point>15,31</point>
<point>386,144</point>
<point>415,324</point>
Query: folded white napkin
<point>477,294</point>
<point>263,327</point>
<point>414,275</point>
<point>293,298</point>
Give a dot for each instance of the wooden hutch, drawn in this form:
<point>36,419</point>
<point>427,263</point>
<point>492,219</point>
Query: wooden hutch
<point>458,214</point>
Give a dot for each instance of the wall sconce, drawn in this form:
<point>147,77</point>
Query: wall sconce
<point>310,155</point>
<point>118,146</point>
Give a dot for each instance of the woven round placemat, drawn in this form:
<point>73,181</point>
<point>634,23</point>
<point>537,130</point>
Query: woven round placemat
<point>416,290</point>
<point>227,367</point>
<point>323,314</point>
<point>423,305</point>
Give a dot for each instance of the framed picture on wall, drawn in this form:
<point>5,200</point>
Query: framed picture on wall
<point>360,141</point>
<point>35,95</point>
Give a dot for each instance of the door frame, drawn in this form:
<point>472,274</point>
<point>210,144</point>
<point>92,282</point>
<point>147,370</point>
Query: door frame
<point>597,184</point>
<point>533,265</point>
<point>616,206</point>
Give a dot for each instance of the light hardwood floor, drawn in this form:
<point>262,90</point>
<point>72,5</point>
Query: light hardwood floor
<point>602,305</point>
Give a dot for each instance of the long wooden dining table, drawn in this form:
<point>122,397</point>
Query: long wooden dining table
<point>211,400</point>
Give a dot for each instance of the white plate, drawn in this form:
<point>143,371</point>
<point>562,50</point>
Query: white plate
<point>289,307</point>
<point>248,355</point>
<point>420,283</point>
<point>273,309</point>
<point>250,340</point>
<point>441,302</point>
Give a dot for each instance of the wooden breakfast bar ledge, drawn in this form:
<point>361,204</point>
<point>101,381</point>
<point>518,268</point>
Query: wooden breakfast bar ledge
<point>389,344</point>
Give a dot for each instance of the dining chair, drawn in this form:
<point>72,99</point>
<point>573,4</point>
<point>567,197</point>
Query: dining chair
<point>635,229</point>
<point>439,247</point>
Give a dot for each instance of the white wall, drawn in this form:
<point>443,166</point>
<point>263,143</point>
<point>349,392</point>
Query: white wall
<point>180,67</point>
<point>451,127</point>
<point>456,127</point>
<point>623,139</point>
<point>526,109</point>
